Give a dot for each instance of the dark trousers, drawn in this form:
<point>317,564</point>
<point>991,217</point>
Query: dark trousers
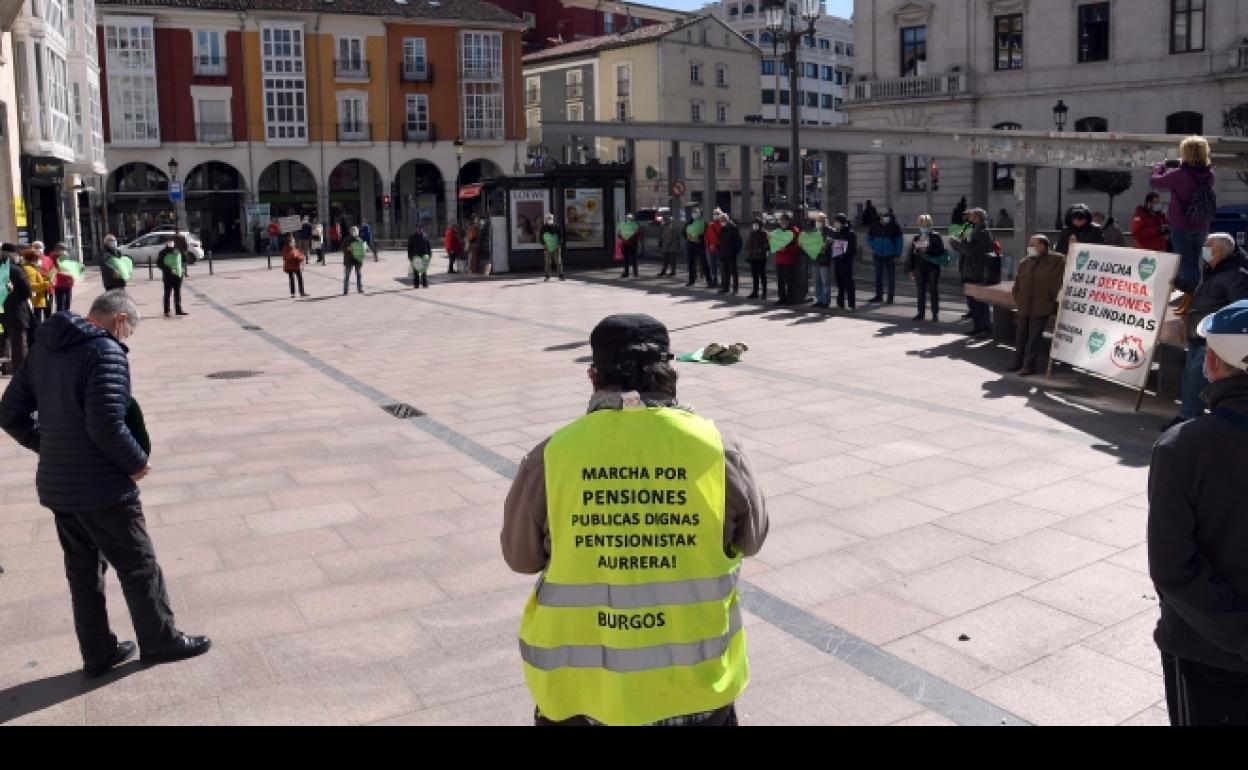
<point>696,257</point>
<point>758,274</point>
<point>297,275</point>
<point>347,266</point>
<point>1203,696</point>
<point>846,291</point>
<point>729,277</point>
<point>1029,341</point>
<point>927,284</point>
<point>724,717</point>
<point>116,536</point>
<point>45,312</point>
<point>62,298</point>
<point>669,263</point>
<point>19,344</point>
<point>885,277</point>
<point>630,260</point>
<point>173,286</point>
<point>784,280</point>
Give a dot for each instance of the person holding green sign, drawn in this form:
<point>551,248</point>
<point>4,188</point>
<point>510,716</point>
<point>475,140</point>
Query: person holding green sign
<point>63,280</point>
<point>111,267</point>
<point>629,234</point>
<point>169,260</point>
<point>927,255</point>
<point>729,249</point>
<point>818,246</point>
<point>784,244</point>
<point>552,245</point>
<point>886,243</point>
<point>695,248</point>
<point>353,250</point>
<point>420,254</point>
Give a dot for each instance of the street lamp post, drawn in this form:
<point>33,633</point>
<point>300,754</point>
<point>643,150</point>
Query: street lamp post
<point>459,169</point>
<point>774,12</point>
<point>1059,119</point>
<point>177,202</point>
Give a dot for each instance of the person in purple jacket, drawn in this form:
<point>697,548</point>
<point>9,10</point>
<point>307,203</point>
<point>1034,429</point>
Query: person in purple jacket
<point>1192,201</point>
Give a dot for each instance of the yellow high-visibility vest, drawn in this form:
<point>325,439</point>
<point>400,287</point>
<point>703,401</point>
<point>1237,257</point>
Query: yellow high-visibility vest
<point>636,618</point>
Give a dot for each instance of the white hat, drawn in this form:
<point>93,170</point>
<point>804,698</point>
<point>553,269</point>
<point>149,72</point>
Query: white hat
<point>1227,333</point>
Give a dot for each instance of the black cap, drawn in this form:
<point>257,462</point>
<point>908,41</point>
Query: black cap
<point>8,248</point>
<point>613,335</point>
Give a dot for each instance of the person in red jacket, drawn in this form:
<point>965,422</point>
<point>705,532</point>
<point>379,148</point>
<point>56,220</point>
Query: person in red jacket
<point>1149,228</point>
<point>786,262</point>
<point>450,241</point>
<point>712,247</point>
<point>63,283</point>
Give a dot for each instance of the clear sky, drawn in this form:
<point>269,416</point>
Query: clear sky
<point>844,8</point>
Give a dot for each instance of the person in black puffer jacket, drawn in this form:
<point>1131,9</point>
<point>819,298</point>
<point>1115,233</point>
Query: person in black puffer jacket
<point>110,277</point>
<point>978,253</point>
<point>1079,225</point>
<point>77,379</point>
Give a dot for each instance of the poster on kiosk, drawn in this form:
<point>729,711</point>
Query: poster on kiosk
<point>1113,304</point>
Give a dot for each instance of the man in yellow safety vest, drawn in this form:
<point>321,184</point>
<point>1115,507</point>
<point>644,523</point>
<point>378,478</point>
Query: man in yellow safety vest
<point>637,515</point>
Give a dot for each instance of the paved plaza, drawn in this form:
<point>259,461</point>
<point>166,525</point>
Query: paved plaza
<point>948,544</point>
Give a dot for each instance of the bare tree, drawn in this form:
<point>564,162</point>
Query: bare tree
<point>1112,183</point>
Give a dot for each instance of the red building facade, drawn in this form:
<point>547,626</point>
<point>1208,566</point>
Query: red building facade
<point>562,21</point>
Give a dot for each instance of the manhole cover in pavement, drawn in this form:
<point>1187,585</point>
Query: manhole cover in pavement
<point>233,374</point>
<point>402,411</point>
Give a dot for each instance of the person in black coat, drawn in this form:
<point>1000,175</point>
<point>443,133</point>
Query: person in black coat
<point>923,262</point>
<point>1079,226</point>
<point>172,263</point>
<point>18,317</point>
<point>729,250</point>
<point>552,255</point>
<point>418,252</point>
<point>978,254</point>
<point>109,276</point>
<point>78,381</point>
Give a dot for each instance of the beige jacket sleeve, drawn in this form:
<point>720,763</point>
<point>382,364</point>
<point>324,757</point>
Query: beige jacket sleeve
<point>526,531</point>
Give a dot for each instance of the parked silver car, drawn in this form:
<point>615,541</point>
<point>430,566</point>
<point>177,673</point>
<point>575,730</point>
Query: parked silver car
<point>146,247</point>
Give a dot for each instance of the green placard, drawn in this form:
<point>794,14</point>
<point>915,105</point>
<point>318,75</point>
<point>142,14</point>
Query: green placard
<point>695,228</point>
<point>552,242</point>
<point>71,266</point>
<point>779,238</point>
<point>811,243</point>
<point>626,229</point>
<point>768,150</point>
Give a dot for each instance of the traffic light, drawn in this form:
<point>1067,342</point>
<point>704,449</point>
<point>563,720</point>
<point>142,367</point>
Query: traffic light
<point>385,200</point>
<point>934,171</point>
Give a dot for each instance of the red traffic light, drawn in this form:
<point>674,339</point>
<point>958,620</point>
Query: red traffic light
<point>385,200</point>
<point>935,170</point>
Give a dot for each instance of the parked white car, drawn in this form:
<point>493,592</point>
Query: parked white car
<point>148,246</point>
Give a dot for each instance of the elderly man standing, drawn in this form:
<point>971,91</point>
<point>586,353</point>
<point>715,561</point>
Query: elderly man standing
<point>1036,290</point>
<point>1197,536</point>
<point>78,381</point>
<point>1224,279</point>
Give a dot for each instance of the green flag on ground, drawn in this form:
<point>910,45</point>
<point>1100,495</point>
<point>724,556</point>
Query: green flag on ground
<point>779,238</point>
<point>811,243</point>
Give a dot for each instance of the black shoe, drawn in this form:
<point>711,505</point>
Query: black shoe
<point>302,294</point>
<point>935,318</point>
<point>918,317</point>
<point>1176,421</point>
<point>168,314</point>
<point>180,649</point>
<point>547,278</point>
<point>981,336</point>
<point>123,652</point>
<point>965,317</point>
<point>876,298</point>
<point>181,313</point>
<point>688,284</point>
<point>753,295</point>
<point>292,295</point>
<point>890,301</point>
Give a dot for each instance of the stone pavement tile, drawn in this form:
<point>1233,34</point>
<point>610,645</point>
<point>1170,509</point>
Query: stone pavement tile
<point>29,510</point>
<point>853,491</point>
<point>877,617</point>
<point>925,719</point>
<point>511,707</point>
<point>1075,686</point>
<point>464,621</point>
<point>929,471</point>
<point>1153,716</point>
<point>898,453</point>
<point>1128,479</point>
<point>167,495</point>
<point>999,521</point>
<point>864,430</point>
<point>1119,525</point>
<point>188,560</point>
<point>822,578</point>
<point>1071,497</point>
<point>365,533</point>
<point>460,578</point>
<point>239,621</point>
<point>1011,633</point>
<point>245,583</point>
<point>1135,558</point>
<point>199,713</point>
<point>17,533</point>
<point>1131,641</point>
<point>197,459</point>
<point>484,492</point>
<point>333,696</point>
<point>833,694</point>
<point>378,562</point>
<point>181,476</point>
<point>1103,593</point>
<point>349,601</point>
<point>795,541</point>
<point>301,496</point>
<point>12,622</point>
<point>294,519</point>
<point>54,616</point>
<point>32,556</point>
<point>1028,474</point>
<point>66,712</point>
<point>789,509</point>
<point>1046,553</point>
<point>992,454</point>
<point>883,516</point>
<point>977,438</point>
<point>961,494</point>
<point>917,548</point>
<point>780,483</point>
<point>207,532</point>
<point>930,422</point>
<point>802,451</point>
<point>440,676</point>
<point>268,549</point>
<point>943,662</point>
<point>32,583</point>
<point>259,484</point>
<point>432,499</point>
<point>959,586</point>
<point>829,469</point>
<point>1087,457</point>
<point>213,508</point>
<point>304,654</point>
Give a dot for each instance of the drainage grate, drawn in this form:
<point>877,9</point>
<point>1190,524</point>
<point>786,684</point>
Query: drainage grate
<point>402,411</point>
<point>234,374</point>
<point>251,328</point>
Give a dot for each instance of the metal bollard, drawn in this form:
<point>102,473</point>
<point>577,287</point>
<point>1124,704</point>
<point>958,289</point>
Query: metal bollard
<point>150,276</point>
<point>209,255</point>
<point>269,258</point>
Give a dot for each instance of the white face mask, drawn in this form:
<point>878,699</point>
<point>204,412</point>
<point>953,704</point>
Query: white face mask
<point>756,227</point>
<point>1207,254</point>
<point>886,219</point>
<point>168,244</point>
<point>1032,251</point>
<point>924,230</point>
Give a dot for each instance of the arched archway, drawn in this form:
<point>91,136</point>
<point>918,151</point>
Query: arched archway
<point>289,187</point>
<point>471,175</point>
<point>138,200</point>
<point>355,192</point>
<point>422,197</point>
<point>214,205</point>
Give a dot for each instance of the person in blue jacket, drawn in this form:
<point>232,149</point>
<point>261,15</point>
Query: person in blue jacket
<point>886,244</point>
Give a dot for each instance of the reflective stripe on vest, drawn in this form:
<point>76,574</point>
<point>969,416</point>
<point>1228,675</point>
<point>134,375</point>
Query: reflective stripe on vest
<point>636,618</point>
<point>631,597</point>
<point>638,659</point>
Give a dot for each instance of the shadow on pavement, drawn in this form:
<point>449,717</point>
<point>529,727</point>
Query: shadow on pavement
<point>29,697</point>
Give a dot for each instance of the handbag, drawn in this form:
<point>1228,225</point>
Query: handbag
<point>619,250</point>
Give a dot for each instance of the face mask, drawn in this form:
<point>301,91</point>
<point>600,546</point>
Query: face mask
<point>1207,254</point>
<point>169,245</point>
<point>1032,251</point>
<point>1157,207</point>
<point>755,225</point>
<point>886,219</point>
<point>924,230</point>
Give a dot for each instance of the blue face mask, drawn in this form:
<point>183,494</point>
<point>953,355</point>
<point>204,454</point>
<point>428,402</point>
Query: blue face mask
<point>1207,254</point>
<point>924,230</point>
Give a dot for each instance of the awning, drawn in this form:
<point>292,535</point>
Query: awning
<point>470,191</point>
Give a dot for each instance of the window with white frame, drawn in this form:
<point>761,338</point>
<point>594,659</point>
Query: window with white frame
<point>415,58</point>
<point>59,103</point>
<point>351,61</point>
<point>533,90</point>
<point>695,73</point>
<point>481,84</point>
<point>416,121</point>
<point>88,21</point>
<point>71,28</point>
<point>97,121</point>
<point>285,84</point>
<point>721,113</point>
<point>576,112</point>
<point>695,111</point>
<point>695,158</point>
<point>608,22</point>
<point>52,12</point>
<point>353,116</point>
<point>209,52</point>
<point>533,124</point>
<point>621,154</point>
<point>721,75</point>
<point>572,84</point>
<point>722,161</point>
<point>80,145</point>
<point>129,52</point>
<point>623,91</point>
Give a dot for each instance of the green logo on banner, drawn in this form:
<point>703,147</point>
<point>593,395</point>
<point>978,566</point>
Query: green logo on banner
<point>1096,341</point>
<point>1081,259</point>
<point>1148,266</point>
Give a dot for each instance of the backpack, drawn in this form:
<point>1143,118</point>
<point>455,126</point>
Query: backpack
<point>1202,206</point>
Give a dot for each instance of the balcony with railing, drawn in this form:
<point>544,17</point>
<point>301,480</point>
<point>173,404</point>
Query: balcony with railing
<point>354,133</point>
<point>351,69</point>
<point>211,66</point>
<point>918,87</point>
<point>481,71</point>
<point>428,133</point>
<point>213,133</point>
<point>411,72</point>
<point>573,91</point>
<point>532,97</point>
